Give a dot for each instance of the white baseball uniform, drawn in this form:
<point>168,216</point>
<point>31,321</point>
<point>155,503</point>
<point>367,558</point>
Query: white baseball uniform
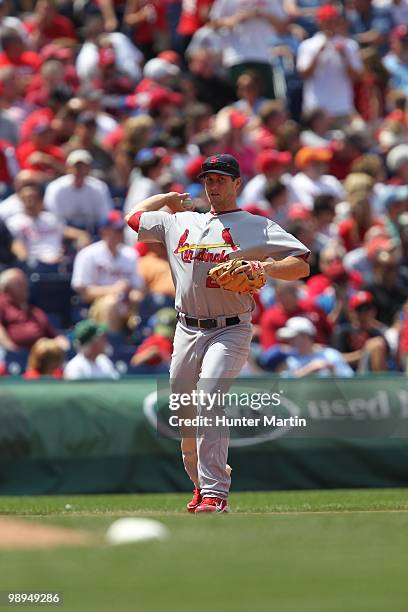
<point>42,236</point>
<point>96,265</point>
<point>86,207</point>
<point>210,352</point>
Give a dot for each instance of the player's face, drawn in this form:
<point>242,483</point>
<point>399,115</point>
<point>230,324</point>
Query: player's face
<point>221,190</point>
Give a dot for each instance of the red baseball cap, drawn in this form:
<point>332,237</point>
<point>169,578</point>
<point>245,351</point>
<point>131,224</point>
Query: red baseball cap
<point>114,219</point>
<point>170,56</point>
<point>161,96</point>
<point>361,298</point>
<point>326,12</point>
<point>193,168</point>
<point>299,211</point>
<point>378,244</point>
<point>269,159</point>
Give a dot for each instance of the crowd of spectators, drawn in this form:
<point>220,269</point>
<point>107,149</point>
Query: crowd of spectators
<point>106,102</point>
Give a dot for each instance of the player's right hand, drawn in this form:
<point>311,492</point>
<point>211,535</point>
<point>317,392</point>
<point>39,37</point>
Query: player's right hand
<point>178,202</point>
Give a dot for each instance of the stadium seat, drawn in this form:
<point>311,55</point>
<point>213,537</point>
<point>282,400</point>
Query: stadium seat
<point>151,303</point>
<point>16,362</point>
<point>51,291</point>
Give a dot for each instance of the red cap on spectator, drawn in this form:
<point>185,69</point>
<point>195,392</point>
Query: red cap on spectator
<point>107,56</point>
<point>170,56</point>
<point>269,159</point>
<point>376,245</point>
<point>326,12</point>
<point>161,96</point>
<point>114,219</point>
<point>193,168</point>
<point>299,211</point>
<point>359,299</point>
<point>238,119</point>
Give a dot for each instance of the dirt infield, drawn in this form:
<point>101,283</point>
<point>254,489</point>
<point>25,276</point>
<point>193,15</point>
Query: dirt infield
<point>18,534</point>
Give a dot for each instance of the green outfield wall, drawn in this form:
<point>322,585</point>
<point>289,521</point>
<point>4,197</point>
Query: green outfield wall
<point>89,437</point>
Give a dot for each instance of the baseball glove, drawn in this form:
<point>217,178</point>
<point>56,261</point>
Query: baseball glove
<point>231,275</point>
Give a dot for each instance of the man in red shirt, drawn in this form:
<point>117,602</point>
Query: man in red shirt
<point>56,100</point>
<point>146,18</point>
<point>361,340</point>
<point>353,229</point>
<point>21,324</point>
<point>47,25</point>
<point>25,63</point>
<point>288,304</point>
<point>38,153</point>
<point>156,350</point>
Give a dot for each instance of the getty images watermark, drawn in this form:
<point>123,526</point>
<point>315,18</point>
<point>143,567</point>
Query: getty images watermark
<point>251,411</point>
<point>204,409</point>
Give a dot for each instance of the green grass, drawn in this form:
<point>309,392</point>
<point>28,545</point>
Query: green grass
<point>306,551</point>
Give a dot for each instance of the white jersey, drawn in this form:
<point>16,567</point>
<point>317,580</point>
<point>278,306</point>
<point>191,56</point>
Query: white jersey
<point>250,41</point>
<point>128,57</point>
<point>330,86</point>
<point>42,236</point>
<point>305,190</point>
<point>85,207</point>
<point>80,367</point>
<point>96,265</point>
<point>196,242</point>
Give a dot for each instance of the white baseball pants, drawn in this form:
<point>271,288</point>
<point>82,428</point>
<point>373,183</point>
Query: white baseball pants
<point>208,360</point>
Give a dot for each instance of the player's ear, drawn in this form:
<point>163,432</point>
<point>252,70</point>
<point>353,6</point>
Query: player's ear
<point>237,184</point>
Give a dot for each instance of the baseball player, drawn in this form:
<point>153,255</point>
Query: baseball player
<point>213,333</point>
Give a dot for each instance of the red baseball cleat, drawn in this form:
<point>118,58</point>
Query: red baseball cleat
<point>213,504</point>
<point>195,500</point>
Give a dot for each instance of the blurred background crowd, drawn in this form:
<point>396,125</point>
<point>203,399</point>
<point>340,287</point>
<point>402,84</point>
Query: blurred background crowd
<point>106,102</point>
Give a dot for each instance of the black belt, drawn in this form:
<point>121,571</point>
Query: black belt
<point>208,323</point>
